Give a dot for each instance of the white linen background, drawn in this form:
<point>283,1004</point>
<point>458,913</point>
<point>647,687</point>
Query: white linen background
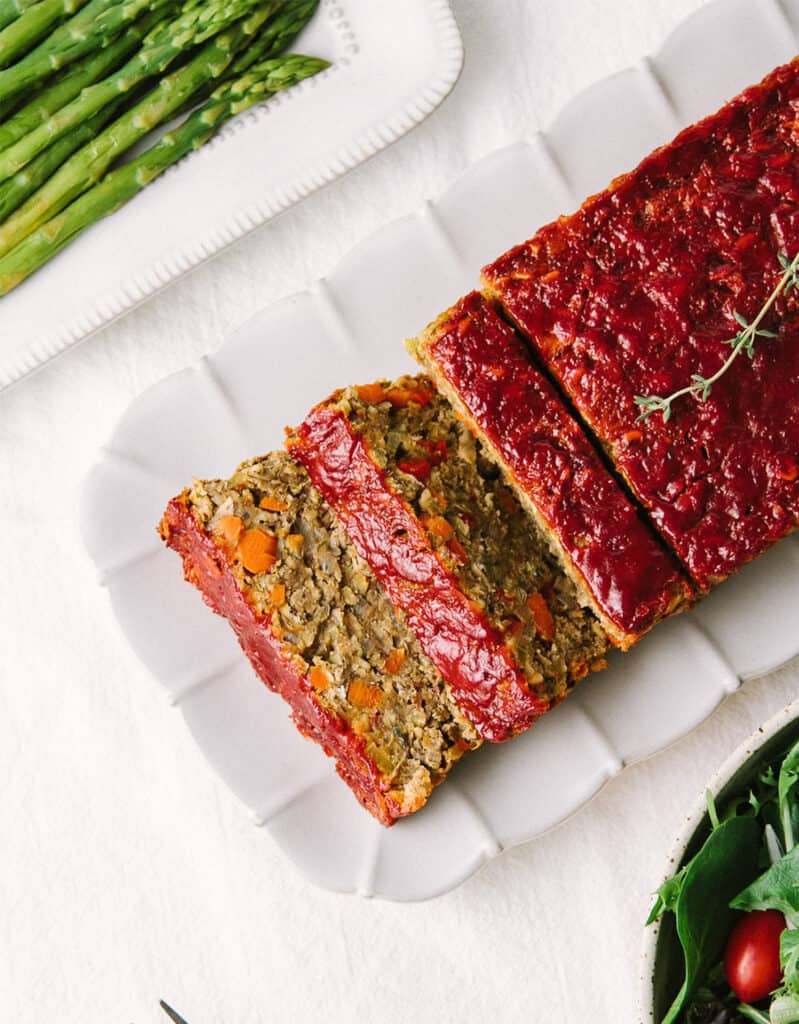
<point>128,872</point>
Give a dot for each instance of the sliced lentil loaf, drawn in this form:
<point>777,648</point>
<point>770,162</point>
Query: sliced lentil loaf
<point>619,567</point>
<point>471,570</point>
<point>267,553</point>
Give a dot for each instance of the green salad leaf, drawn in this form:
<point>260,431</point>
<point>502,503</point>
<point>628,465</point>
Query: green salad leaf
<point>789,961</point>
<point>789,809</point>
<point>784,1009</point>
<point>666,897</point>
<point>728,860</point>
<point>776,889</point>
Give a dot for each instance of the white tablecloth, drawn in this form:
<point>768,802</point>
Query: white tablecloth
<point>127,871</point>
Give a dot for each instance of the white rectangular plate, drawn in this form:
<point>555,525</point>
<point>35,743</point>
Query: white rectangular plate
<point>260,164</point>
<point>347,329</point>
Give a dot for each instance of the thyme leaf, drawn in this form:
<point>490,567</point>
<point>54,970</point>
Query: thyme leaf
<point>743,342</point>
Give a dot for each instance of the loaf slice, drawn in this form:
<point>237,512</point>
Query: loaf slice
<point>618,567</point>
<point>266,552</point>
<point>643,288</point>
<point>472,571</point>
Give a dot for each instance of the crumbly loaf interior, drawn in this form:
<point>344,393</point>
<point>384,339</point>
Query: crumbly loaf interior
<point>494,548</point>
<point>327,608</point>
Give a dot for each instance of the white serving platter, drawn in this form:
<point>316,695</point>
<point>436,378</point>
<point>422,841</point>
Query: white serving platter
<point>259,165</point>
<point>348,328</point>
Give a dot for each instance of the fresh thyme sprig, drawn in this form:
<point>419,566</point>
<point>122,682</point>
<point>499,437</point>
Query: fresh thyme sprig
<point>744,341</point>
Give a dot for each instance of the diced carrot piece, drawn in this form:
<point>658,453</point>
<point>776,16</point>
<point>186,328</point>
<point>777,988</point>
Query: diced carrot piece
<point>542,616</point>
<point>631,436</point>
<point>270,504</point>
<point>319,678</point>
<point>400,397</point>
<point>364,695</point>
<point>256,562</point>
<point>456,548</point>
<point>420,468</point>
<point>296,542</point>
<point>229,529</point>
<point>277,595</point>
<point>256,550</point>
<point>395,661</point>
<point>438,526</point>
<point>374,394</point>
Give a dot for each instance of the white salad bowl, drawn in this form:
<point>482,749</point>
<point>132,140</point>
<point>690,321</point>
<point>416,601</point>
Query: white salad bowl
<point>661,958</point>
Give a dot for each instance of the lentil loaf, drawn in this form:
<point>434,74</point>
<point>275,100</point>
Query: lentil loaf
<point>471,570</point>
<point>618,566</point>
<point>266,552</point>
<point>644,287</point>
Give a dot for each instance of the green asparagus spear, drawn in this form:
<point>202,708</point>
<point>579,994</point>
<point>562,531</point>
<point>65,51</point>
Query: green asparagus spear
<point>160,49</point>
<point>200,21</point>
<point>72,83</point>
<point>92,27</point>
<point>24,33</point>
<point>89,164</point>
<point>117,187</point>
<point>275,37</point>
<point>10,10</point>
<point>16,190</point>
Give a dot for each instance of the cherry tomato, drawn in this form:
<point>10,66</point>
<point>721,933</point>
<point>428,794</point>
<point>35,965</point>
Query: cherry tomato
<point>752,956</point>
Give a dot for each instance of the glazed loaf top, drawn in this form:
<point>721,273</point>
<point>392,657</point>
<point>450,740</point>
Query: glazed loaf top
<point>639,290</point>
<point>621,570</point>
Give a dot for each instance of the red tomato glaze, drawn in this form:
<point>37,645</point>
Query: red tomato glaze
<point>629,575</point>
<point>489,688</point>
<point>208,567</point>
<point>637,291</point>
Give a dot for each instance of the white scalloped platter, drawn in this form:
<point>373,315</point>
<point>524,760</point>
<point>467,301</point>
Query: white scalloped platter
<point>259,165</point>
<point>235,403</point>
